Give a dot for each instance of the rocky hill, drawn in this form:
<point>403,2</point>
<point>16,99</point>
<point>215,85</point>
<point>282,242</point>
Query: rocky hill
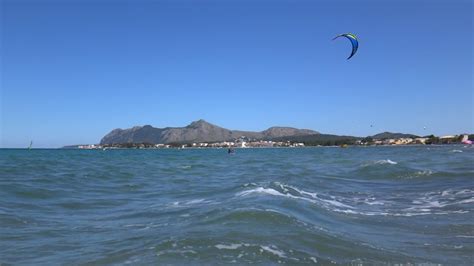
<point>197,131</point>
<point>390,135</point>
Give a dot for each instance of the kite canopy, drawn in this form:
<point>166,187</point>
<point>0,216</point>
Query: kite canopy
<point>354,42</point>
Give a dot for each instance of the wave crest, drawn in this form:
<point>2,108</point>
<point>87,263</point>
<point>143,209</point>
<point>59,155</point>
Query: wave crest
<point>431,203</point>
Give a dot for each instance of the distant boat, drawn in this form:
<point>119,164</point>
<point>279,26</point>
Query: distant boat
<point>344,146</point>
<point>31,144</point>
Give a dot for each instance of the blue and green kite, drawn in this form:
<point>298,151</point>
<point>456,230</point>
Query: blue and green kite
<point>354,42</point>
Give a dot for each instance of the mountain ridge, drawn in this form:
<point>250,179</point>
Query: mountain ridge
<point>391,135</point>
<point>196,131</point>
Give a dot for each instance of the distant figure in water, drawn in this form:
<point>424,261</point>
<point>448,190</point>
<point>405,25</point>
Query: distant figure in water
<point>230,151</point>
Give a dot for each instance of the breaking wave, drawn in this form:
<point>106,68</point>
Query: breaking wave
<point>380,162</point>
<point>431,203</point>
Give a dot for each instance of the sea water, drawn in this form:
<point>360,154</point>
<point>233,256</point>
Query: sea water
<point>359,205</point>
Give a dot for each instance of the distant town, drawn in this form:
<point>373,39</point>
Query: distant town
<point>244,142</point>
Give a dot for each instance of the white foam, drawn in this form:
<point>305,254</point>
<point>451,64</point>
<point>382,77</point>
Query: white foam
<point>314,199</point>
<point>405,214</point>
<point>436,204</point>
<point>388,161</point>
<point>189,202</point>
<point>230,246</point>
<point>269,191</point>
<point>438,200</point>
<point>374,202</point>
<point>424,173</point>
<point>465,191</point>
<point>302,192</point>
<point>428,213</point>
<point>456,151</point>
<point>463,236</point>
<point>430,203</point>
<point>466,201</point>
<point>361,212</point>
<point>195,201</point>
<point>134,261</point>
<point>176,252</point>
<point>313,259</point>
<point>282,187</point>
<point>271,249</point>
<point>337,203</point>
<point>380,162</point>
<point>314,195</point>
<point>134,225</point>
<point>274,251</point>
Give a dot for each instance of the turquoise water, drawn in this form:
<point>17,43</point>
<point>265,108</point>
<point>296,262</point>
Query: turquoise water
<point>369,205</point>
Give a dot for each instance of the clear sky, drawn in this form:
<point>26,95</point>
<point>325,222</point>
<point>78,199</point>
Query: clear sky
<point>71,71</point>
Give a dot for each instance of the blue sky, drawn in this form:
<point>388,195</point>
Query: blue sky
<point>71,71</point>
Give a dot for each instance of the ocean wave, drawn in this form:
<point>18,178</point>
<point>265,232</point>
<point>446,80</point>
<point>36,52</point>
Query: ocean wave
<point>436,202</point>
<point>310,205</point>
<point>270,191</point>
<point>388,161</point>
<point>379,162</point>
<point>289,192</point>
<point>431,203</point>
<point>244,252</point>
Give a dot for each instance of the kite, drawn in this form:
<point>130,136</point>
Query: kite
<point>354,42</point>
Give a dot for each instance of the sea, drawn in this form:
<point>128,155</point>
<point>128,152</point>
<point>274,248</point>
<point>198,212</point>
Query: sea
<point>404,205</point>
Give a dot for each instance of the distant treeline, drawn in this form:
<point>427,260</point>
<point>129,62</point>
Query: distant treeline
<point>335,140</point>
<point>321,139</point>
<point>436,140</point>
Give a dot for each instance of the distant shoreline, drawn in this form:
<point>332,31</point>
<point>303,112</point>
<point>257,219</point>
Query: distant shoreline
<point>247,148</point>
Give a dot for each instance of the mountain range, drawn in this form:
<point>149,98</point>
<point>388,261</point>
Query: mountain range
<point>203,131</point>
<point>197,131</point>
